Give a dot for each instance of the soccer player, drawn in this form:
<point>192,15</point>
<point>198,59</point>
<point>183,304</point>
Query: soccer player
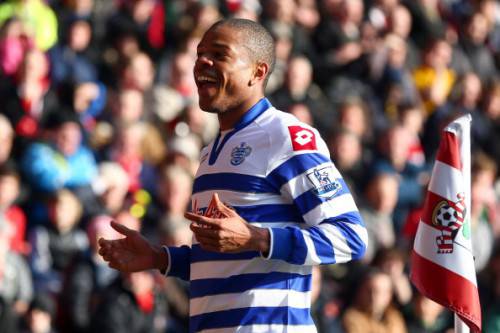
<point>267,202</point>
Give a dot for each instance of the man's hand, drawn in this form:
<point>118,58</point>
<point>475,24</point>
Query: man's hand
<point>133,253</point>
<point>228,233</point>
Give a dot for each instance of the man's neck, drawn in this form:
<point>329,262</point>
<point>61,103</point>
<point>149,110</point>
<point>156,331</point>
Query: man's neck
<point>230,118</point>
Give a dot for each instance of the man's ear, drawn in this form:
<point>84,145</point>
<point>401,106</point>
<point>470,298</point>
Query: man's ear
<point>260,73</point>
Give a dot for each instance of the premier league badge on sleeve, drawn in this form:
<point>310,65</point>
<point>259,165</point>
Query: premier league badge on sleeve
<point>239,153</point>
<point>325,185</point>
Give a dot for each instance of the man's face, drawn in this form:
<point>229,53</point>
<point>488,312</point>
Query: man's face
<point>223,70</point>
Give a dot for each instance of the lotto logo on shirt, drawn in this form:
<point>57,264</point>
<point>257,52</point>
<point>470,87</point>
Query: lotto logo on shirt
<point>302,138</point>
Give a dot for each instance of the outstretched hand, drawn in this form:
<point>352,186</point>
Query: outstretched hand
<point>132,253</point>
<point>226,231</point>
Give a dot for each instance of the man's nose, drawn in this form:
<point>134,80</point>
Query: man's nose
<point>204,60</point>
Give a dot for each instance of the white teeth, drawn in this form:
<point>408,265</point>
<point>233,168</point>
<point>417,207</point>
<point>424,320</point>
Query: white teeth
<point>203,79</point>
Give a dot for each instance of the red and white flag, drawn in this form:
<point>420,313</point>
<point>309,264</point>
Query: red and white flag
<point>442,266</point>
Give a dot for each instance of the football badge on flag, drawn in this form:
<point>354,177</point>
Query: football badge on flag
<point>449,217</point>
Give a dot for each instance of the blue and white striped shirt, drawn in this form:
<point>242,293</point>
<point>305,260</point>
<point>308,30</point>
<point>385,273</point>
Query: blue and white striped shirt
<point>276,173</point>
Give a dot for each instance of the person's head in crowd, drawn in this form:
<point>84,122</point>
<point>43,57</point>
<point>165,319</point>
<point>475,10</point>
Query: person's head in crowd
<point>282,11</point>
<point>126,45</point>
<point>400,21</point>
<point>138,72</point>
<point>397,50</point>
<point>79,35</point>
<point>129,107</point>
<point>34,68</point>
<point>111,185</point>
<point>66,134</point>
<point>14,42</point>
<point>65,211</point>
<point>99,226</point>
<point>184,151</point>
<point>203,14</point>
<point>41,314</point>
<point>307,14</point>
<point>202,124</point>
<point>246,9</point>
<point>394,145</point>
<point>483,176</point>
<point>80,8</point>
<point>477,28</point>
<point>299,75</point>
<point>9,186</point>
<point>345,148</point>
<point>491,102</point>
<point>427,310</point>
<point>469,90</point>
<point>352,12</point>
<point>175,189</point>
<point>381,192</point>
<point>375,293</point>
<point>6,138</point>
<point>174,231</point>
<point>412,117</point>
<point>301,111</point>
<point>181,76</point>
<point>438,54</point>
<point>140,10</point>
<point>353,115</point>
<point>124,217</point>
<point>129,141</point>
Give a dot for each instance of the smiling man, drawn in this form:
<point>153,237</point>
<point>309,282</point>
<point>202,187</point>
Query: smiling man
<point>267,201</point>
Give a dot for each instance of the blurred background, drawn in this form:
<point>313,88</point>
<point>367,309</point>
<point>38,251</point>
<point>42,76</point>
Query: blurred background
<point>99,120</point>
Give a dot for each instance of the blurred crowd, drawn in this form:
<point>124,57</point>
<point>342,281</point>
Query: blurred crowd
<point>99,121</point>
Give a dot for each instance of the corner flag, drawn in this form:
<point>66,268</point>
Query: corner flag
<point>442,264</point>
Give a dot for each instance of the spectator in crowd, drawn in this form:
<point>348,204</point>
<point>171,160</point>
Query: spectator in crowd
<point>38,18</point>
<point>73,58</point>
<point>372,309</point>
<point>12,216</point>
<point>347,152</point>
<point>394,149</point>
<point>16,285</point>
<point>7,139</point>
<point>393,262</point>
<point>14,43</point>
<point>434,78</point>
<point>41,314</point>
<point>131,304</point>
<point>57,243</point>
<point>489,282</point>
<point>473,44</point>
<point>27,99</point>
<point>300,89</point>
<point>381,196</point>
<point>490,114</point>
<point>61,162</point>
<point>424,315</point>
<point>483,209</point>
<point>85,280</point>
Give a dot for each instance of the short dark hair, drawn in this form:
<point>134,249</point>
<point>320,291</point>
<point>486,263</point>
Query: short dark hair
<point>256,38</point>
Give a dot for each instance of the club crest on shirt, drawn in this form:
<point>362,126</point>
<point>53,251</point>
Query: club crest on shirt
<point>325,185</point>
<point>239,153</point>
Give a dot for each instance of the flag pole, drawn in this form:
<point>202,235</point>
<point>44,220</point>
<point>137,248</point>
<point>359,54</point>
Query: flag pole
<point>460,326</point>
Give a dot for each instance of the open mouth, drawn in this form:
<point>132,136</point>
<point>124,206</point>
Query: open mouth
<point>206,83</point>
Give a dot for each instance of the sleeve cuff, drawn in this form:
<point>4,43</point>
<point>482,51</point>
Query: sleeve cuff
<point>167,270</point>
<point>270,253</point>
<point>281,243</point>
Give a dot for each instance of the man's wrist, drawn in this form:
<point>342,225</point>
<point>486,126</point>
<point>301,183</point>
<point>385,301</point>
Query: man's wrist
<point>160,259</point>
<point>262,240</point>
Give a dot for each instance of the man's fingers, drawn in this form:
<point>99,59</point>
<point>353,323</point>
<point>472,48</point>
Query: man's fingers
<point>221,207</point>
<point>122,229</point>
<point>203,220</point>
<point>201,230</point>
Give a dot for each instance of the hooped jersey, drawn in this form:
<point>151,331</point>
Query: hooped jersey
<point>276,173</point>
